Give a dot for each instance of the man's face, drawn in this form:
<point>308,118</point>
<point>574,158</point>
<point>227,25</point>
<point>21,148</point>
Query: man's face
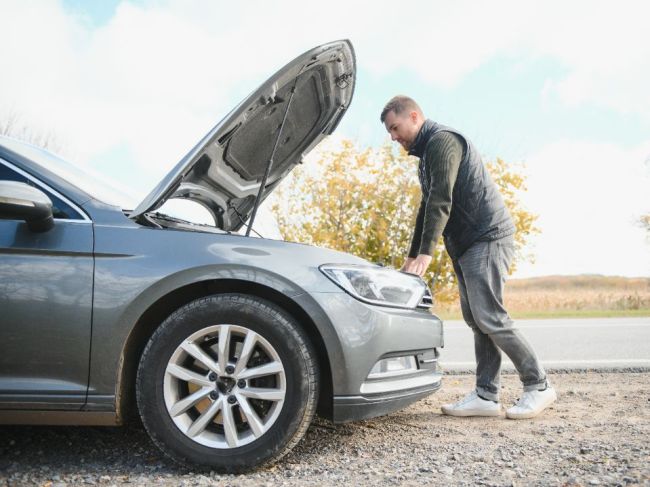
<point>403,128</point>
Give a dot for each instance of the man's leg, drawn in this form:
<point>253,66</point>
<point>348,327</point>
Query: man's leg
<point>484,399</point>
<point>488,356</point>
<point>484,267</point>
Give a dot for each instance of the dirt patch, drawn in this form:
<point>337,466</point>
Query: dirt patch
<point>596,434</point>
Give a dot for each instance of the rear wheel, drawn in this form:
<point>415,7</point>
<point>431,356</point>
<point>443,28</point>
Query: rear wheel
<point>227,382</point>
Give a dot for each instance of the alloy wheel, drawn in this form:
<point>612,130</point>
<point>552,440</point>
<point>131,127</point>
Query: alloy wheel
<point>224,386</point>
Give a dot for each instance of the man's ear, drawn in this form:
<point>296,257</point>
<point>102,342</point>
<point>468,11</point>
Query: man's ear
<point>413,116</point>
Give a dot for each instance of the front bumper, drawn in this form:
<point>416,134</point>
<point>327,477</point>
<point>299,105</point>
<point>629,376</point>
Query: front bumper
<point>355,408</point>
<point>358,336</point>
<point>381,396</point>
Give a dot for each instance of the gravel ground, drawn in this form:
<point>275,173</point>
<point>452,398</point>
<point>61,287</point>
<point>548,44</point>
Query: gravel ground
<point>596,434</point>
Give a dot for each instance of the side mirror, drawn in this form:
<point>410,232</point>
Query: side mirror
<point>20,201</point>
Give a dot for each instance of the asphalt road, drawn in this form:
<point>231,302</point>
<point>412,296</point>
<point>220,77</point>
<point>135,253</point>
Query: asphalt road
<point>586,343</point>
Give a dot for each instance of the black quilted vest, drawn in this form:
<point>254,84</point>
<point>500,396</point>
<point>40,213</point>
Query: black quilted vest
<point>478,211</point>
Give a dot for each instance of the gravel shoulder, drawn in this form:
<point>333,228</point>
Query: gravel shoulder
<point>596,434</point>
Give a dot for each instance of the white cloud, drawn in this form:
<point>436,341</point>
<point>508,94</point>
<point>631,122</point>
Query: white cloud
<point>605,48</point>
<point>154,79</point>
<point>589,197</point>
<point>158,75</point>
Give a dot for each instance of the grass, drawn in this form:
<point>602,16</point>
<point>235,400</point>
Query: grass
<point>553,314</point>
<point>569,297</point>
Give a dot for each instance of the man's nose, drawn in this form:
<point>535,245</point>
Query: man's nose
<point>393,136</point>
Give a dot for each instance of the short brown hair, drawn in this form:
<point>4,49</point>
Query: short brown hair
<point>398,104</point>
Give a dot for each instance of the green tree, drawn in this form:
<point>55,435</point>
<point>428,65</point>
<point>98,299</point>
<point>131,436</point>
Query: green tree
<point>364,201</point>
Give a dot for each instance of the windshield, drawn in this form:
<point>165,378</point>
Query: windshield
<point>95,185</point>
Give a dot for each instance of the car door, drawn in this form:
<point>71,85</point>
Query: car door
<point>46,285</point>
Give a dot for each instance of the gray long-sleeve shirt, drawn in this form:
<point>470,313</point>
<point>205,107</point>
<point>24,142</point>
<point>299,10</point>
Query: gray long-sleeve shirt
<point>437,171</point>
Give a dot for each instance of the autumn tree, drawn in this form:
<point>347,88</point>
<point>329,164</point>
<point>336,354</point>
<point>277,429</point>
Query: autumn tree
<point>364,202</point>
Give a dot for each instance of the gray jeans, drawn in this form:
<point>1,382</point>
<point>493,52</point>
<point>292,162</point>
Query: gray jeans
<point>481,273</point>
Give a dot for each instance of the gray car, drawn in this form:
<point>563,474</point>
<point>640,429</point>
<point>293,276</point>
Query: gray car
<point>225,345</point>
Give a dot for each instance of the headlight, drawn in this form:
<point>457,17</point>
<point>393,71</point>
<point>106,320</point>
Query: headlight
<point>376,285</point>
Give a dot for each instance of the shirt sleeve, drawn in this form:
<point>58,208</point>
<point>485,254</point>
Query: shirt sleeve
<point>442,157</point>
<point>417,232</point>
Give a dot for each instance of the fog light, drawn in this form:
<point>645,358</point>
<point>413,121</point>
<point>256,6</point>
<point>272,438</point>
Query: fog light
<point>390,367</point>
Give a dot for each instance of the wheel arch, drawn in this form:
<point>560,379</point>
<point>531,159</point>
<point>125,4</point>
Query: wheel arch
<point>164,306</point>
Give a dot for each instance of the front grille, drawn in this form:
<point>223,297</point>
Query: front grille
<point>427,300</point>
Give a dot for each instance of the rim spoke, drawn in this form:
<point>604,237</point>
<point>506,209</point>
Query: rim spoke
<point>247,350</point>
<point>186,403</point>
<point>251,416</point>
<point>224,346</point>
<point>195,351</point>
<point>187,375</point>
<point>199,406</point>
<point>262,393</point>
<point>202,421</point>
<point>266,369</point>
<point>229,426</point>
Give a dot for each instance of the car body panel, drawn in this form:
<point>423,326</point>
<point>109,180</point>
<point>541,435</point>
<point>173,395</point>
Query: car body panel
<point>367,333</point>
<point>137,266</point>
<point>46,283</point>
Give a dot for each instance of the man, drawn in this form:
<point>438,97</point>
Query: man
<point>461,202</point>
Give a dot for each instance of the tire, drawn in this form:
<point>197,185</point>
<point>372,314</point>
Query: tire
<point>231,411</point>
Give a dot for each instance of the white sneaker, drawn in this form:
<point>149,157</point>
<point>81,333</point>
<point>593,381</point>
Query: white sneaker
<point>472,405</point>
<point>532,403</point>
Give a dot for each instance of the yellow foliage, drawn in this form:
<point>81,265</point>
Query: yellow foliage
<point>364,202</point>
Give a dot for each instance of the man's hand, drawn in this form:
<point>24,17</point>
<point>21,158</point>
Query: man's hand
<point>418,266</point>
<point>407,263</point>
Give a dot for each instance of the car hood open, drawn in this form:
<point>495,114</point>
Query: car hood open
<point>301,103</point>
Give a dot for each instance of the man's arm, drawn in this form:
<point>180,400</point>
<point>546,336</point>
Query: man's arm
<point>415,240</point>
<point>442,158</point>
<point>417,232</point>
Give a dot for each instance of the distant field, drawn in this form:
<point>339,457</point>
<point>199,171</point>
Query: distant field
<point>571,296</point>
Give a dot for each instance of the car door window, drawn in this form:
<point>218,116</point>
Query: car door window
<point>60,209</point>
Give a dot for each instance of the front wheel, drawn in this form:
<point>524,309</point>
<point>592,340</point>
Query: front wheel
<point>227,382</point>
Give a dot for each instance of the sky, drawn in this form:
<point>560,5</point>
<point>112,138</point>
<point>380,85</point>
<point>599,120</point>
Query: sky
<point>560,88</point>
